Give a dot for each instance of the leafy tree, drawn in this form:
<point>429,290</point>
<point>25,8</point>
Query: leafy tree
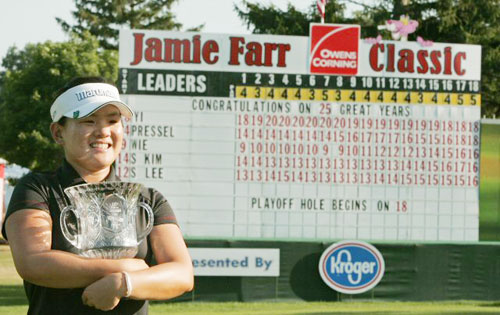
<point>28,85</point>
<point>103,18</point>
<point>451,21</point>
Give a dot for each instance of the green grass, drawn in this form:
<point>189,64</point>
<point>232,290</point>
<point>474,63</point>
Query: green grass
<point>13,302</point>
<point>12,297</point>
<point>313,308</point>
<point>489,189</point>
<point>490,135</point>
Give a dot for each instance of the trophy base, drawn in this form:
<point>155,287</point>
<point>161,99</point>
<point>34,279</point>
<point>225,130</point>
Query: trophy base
<point>110,252</point>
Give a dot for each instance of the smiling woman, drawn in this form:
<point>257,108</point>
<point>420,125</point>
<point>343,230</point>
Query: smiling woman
<point>87,123</point>
<point>93,138</point>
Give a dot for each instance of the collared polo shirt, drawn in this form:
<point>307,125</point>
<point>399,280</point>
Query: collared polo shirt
<point>45,192</point>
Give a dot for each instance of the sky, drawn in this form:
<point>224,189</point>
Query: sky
<point>33,21</point>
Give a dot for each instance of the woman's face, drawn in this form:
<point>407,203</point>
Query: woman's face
<point>94,142</point>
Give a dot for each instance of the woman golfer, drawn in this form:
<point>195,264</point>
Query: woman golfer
<point>87,122</point>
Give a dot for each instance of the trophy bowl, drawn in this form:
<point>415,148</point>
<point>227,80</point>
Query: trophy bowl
<point>101,221</point>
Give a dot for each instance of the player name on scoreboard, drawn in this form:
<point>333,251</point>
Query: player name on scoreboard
<point>137,159</point>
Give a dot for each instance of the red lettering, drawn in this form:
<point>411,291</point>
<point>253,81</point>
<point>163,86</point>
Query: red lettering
<point>254,54</point>
<point>153,50</point>
<point>383,57</point>
<point>422,60</point>
<point>178,47</point>
<point>405,62</point>
<point>196,49</point>
<point>447,61</point>
<point>390,57</point>
<point>174,50</point>
<point>282,49</point>
<point>257,54</point>
<point>458,63</point>
<point>236,50</point>
<point>374,57</point>
<point>138,37</point>
<point>435,55</point>
<point>208,48</point>
<point>269,48</point>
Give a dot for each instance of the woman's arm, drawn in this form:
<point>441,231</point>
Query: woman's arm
<point>30,237</point>
<point>171,277</point>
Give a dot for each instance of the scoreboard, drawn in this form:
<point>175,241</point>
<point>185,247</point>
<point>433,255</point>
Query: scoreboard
<point>246,142</point>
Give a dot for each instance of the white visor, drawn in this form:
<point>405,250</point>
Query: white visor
<point>84,99</point>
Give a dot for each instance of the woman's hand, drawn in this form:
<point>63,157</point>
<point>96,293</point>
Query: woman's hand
<point>105,293</point>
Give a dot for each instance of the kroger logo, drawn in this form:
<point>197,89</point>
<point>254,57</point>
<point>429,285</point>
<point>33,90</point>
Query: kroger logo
<point>351,267</point>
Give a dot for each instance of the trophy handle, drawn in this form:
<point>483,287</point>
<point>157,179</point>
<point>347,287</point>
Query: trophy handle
<point>72,238</point>
<point>149,227</point>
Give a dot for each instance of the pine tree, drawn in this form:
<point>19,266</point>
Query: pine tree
<point>103,18</point>
<point>262,19</point>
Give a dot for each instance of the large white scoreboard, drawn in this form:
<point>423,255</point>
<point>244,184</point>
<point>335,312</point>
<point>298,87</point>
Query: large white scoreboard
<point>246,142</point>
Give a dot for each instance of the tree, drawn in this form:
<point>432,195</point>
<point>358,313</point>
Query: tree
<point>451,21</point>
<point>28,85</point>
<point>272,20</point>
<point>103,18</point>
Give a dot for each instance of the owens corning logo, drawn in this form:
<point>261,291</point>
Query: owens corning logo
<point>334,49</point>
<point>351,267</point>
<point>80,96</point>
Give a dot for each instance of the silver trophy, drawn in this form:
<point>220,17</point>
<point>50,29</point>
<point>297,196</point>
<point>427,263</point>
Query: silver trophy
<point>101,221</point>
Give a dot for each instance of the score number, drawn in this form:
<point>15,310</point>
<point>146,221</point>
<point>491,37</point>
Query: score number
<point>363,96</point>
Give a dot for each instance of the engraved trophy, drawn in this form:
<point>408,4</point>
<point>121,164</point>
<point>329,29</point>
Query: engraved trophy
<point>101,221</point>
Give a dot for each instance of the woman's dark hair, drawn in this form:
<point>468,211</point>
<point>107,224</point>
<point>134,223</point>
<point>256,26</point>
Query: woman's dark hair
<point>74,82</point>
